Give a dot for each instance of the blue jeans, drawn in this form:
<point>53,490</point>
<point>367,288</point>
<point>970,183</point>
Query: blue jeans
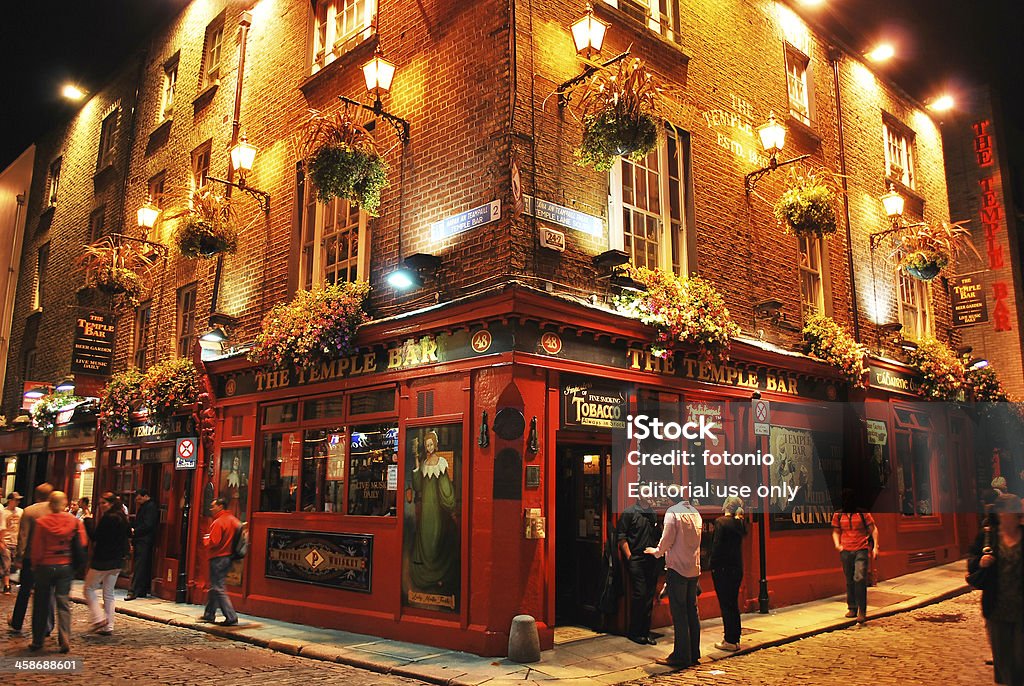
<point>218,597</point>
<point>855,567</point>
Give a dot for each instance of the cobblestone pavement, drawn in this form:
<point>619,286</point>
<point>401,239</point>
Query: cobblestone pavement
<point>943,643</point>
<point>147,652</point>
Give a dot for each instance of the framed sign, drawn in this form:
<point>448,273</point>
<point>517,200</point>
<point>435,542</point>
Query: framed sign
<point>317,557</point>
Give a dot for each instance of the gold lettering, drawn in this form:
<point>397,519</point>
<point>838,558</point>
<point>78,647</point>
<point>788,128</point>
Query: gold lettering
<point>411,354</point>
<point>428,347</point>
<point>634,358</point>
<point>394,358</point>
<point>369,363</point>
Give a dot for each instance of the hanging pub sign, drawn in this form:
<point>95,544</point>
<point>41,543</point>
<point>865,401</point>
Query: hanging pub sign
<point>590,406</point>
<point>317,557</point>
<point>92,351</point>
<point>967,298</point>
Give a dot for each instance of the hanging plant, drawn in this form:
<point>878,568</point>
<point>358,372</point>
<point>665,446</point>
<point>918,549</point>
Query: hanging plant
<point>619,116</point>
<point>941,371</point>
<point>115,268</point>
<point>342,160</point>
<point>45,410</point>
<point>168,387</point>
<point>807,207</point>
<point>206,226</point>
<point>682,309</point>
<point>120,397</point>
<point>983,386</point>
<point>929,248</point>
<point>829,341</point>
<point>317,326</point>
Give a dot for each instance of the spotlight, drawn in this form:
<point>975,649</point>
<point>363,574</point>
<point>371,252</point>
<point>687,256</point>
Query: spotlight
<point>413,270</point>
<point>976,364</point>
<point>66,384</point>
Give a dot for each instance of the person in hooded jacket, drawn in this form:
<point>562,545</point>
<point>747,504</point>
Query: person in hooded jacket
<point>52,560</point>
<point>110,548</point>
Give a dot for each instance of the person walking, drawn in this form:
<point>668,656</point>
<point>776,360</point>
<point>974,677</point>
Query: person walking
<point>856,538</point>
<point>26,528</point>
<point>218,544</point>
<point>995,564</point>
<point>110,548</point>
<point>10,519</point>
<point>56,538</point>
<point>727,569</point>
<point>680,546</point>
<point>147,518</point>
<point>637,530</point>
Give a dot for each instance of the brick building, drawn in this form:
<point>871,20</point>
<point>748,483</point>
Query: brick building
<point>484,366</point>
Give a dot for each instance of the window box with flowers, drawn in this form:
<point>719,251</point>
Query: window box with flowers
<point>45,410</point>
<point>929,248</point>
<point>316,326</point>
<point>168,387</point>
<point>807,207</point>
<point>827,340</point>
<point>685,310</point>
<point>120,397</point>
<point>941,371</point>
<point>343,162</point>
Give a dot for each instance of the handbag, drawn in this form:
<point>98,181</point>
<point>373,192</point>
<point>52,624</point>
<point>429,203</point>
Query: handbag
<point>79,555</point>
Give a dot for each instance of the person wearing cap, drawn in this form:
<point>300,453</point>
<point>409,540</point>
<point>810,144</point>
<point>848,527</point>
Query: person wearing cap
<point>10,518</point>
<point>147,518</point>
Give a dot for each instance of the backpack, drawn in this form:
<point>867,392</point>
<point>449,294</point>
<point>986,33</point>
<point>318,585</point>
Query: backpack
<point>239,544</point>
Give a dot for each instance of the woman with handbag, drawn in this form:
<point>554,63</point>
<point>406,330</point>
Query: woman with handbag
<point>110,548</point>
<point>996,566</point>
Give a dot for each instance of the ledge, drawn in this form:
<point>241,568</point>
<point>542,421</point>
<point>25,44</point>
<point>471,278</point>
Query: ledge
<point>204,97</point>
<point>640,29</point>
<point>159,136</point>
<point>101,174</point>
<point>803,129</point>
<point>313,81</point>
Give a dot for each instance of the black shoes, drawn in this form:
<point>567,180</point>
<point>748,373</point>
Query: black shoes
<point>226,622</point>
<point>207,620</point>
<point>643,640</point>
<point>131,596</point>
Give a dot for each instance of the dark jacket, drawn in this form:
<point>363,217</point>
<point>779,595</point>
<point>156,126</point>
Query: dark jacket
<point>639,527</point>
<point>989,578</point>
<point>146,521</point>
<point>727,544</point>
<point>110,542</point>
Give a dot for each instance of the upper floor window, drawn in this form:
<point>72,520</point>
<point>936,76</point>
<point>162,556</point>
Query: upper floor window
<point>647,216</point>
<point>213,53</point>
<point>338,25</point>
<point>54,182</point>
<point>29,364</point>
<point>186,319</point>
<point>108,134</point>
<point>899,152</point>
<point>335,243</point>
<point>42,262</point>
<point>660,16</point>
<point>798,84</point>
<point>170,83</point>
<point>914,307</point>
<point>812,291</point>
<point>97,223</point>
<point>201,164</point>
<point>143,315</point>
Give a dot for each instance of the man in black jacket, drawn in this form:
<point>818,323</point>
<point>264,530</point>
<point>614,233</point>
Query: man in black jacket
<point>637,530</point>
<point>147,518</point>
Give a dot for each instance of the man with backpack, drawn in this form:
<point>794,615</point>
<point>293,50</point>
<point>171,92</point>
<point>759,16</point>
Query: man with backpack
<point>856,538</point>
<point>226,541</point>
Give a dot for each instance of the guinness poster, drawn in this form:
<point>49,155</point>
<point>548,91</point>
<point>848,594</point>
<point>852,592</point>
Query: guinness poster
<point>811,464</point>
<point>317,557</point>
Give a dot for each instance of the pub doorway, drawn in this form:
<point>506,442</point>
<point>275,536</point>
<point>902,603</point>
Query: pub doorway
<point>583,521</point>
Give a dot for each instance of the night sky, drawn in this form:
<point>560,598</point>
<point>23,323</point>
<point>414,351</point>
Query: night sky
<point>941,44</point>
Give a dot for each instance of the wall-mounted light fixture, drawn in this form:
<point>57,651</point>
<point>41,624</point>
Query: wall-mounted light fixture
<point>413,271</point>
<point>611,265</point>
<point>378,74</point>
<point>35,393</point>
<point>588,36</point>
<point>243,155</point>
<point>772,135</point>
<point>148,214</point>
<point>67,384</point>
<point>893,204</point>
<point>975,364</point>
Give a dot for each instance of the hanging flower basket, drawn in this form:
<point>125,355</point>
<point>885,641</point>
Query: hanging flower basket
<point>119,398</point>
<point>317,326</point>
<point>343,162</point>
<point>827,340</point>
<point>923,265</point>
<point>929,248</point>
<point>45,410</point>
<point>807,207</point>
<point>618,114</point>
<point>168,387</point>
<point>942,372</point>
<point>118,281</point>
<point>206,227</point>
<point>983,386</point>
<point>115,268</point>
<point>682,309</point>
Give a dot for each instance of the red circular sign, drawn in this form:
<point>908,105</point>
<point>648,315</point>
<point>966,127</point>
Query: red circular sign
<point>186,448</point>
<point>551,343</point>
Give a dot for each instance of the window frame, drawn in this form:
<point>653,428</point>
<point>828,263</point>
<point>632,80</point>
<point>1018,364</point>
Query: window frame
<point>142,328</point>
<point>97,223</point>
<point>910,429</point>
<point>312,265</point>
<point>815,248</point>
<point>644,11</point>
<point>898,140</point>
<point>108,140</point>
<point>923,324</point>
<point>213,53</point>
<point>169,86</point>
<point>201,162</point>
<point>325,45</point>
<point>39,284</point>
<point>798,77</point>
<point>53,182</point>
<point>185,319</point>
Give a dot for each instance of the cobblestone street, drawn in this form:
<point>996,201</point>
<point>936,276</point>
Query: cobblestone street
<point>141,651</point>
<point>940,644</point>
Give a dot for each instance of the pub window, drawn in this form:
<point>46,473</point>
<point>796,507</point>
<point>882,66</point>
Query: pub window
<point>108,135</point>
<point>29,364</point>
<point>323,408</point>
<point>338,26</point>
<point>647,217</point>
<point>372,462</point>
<point>914,306</point>
<point>97,222</point>
<point>323,470</point>
<point>335,243</point>
<point>143,315</point>
<point>811,267</point>
<point>54,182</point>
<point>660,16</point>
<point>798,84</point>
<point>372,402</point>
<point>279,481</point>
<point>899,152</point>
<point>914,479</point>
<point>186,319</point>
<point>285,413</point>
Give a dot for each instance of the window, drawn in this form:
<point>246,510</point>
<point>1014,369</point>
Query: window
<point>213,54</point>
<point>143,315</point>
<point>42,260</point>
<point>372,452</point>
<point>97,222</point>
<point>812,292</point>
<point>186,319</point>
<point>335,243</point>
<point>797,84</point>
<point>915,306</point>
<point>899,155</point>
<point>51,193</point>
<point>155,188</point>
<point>108,132</point>
<point>339,25</point>
<point>201,164</point>
<point>646,197</point>
<point>170,81</point>
<point>913,464</point>
<point>29,365</point>
<point>660,16</point>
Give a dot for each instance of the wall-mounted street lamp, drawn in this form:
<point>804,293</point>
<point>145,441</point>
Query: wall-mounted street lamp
<point>893,203</point>
<point>378,74</point>
<point>611,265</point>
<point>67,384</point>
<point>588,36</point>
<point>148,213</point>
<point>773,138</point>
<point>243,155</point>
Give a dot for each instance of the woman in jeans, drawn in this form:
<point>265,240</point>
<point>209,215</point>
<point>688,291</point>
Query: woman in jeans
<point>727,569</point>
<point>110,548</point>
<point>852,533</point>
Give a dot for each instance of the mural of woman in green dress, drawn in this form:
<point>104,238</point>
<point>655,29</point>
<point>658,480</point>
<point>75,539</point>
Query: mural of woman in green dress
<point>431,560</point>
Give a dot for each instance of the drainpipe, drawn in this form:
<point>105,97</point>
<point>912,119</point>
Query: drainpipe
<point>834,55</point>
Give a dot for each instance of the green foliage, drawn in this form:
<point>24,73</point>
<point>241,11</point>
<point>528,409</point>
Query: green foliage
<point>119,398</point>
<point>206,226</point>
<point>830,342</point>
<point>807,207</point>
<point>941,371</point>
<point>929,248</point>
<point>168,386</point>
<point>45,410</point>
<point>343,172</point>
